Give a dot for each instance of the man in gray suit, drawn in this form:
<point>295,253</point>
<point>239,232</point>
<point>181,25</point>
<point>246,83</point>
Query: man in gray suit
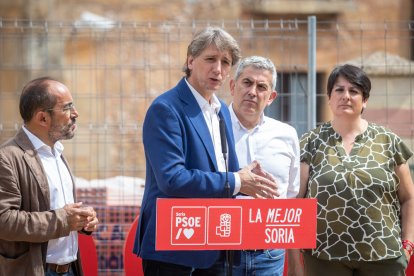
<point>38,215</point>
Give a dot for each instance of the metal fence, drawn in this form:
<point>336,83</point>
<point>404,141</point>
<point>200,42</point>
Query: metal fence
<point>115,69</point>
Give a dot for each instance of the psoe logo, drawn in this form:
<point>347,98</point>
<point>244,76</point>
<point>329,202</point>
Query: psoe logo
<point>188,225</point>
<point>224,225</point>
<point>224,229</point>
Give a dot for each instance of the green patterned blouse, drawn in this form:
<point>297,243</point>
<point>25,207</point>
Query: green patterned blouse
<point>358,208</point>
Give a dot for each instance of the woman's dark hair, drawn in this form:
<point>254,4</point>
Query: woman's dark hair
<point>354,75</point>
<point>35,95</point>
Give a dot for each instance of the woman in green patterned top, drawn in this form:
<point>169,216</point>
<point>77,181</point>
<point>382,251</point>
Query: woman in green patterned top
<point>358,173</point>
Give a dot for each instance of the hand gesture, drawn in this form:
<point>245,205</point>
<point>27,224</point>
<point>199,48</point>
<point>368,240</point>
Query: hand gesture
<point>93,221</point>
<point>80,217</point>
<point>256,182</point>
<point>262,172</point>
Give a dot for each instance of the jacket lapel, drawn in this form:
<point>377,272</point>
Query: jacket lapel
<point>34,163</point>
<point>195,116</point>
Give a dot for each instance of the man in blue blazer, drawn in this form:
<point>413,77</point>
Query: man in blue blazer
<point>183,152</point>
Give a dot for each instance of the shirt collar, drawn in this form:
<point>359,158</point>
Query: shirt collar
<point>202,102</point>
<point>239,125</point>
<point>38,144</point>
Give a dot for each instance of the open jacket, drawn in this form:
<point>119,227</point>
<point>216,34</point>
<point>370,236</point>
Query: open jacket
<point>180,163</point>
<point>27,223</point>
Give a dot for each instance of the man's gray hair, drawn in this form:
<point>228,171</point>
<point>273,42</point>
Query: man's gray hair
<point>257,62</point>
<point>212,36</point>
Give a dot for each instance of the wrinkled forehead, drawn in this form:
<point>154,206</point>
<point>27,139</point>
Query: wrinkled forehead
<point>214,49</point>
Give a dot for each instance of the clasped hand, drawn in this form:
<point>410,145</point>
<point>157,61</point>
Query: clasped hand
<point>81,217</point>
<point>256,182</point>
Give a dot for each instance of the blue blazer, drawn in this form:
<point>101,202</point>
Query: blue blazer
<point>180,163</point>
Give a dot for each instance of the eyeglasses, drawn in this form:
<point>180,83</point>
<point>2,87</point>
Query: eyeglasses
<point>68,109</point>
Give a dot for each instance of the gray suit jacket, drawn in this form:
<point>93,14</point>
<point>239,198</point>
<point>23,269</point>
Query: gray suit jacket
<point>26,221</point>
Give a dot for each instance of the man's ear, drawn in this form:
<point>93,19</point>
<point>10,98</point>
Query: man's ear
<point>272,97</point>
<point>190,60</point>
<point>41,118</point>
<point>232,84</point>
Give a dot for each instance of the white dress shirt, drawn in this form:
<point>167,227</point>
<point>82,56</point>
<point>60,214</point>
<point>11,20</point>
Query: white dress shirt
<point>61,250</point>
<point>275,145</point>
<point>210,113</point>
